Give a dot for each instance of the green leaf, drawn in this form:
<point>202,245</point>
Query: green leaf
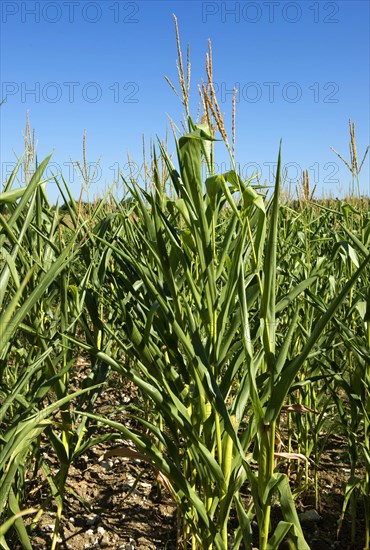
<point>269,277</point>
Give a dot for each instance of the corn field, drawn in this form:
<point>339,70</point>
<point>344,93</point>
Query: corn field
<point>240,316</point>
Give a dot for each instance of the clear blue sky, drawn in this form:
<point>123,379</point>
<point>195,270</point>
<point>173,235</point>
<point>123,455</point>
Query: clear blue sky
<point>302,70</point>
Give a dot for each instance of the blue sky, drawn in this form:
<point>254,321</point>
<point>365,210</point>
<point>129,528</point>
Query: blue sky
<point>302,70</point>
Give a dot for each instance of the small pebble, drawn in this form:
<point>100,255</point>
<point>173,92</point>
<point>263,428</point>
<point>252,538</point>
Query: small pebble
<point>107,464</point>
<point>92,520</point>
<point>310,515</point>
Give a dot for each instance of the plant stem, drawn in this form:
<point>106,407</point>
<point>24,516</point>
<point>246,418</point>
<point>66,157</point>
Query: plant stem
<point>266,469</point>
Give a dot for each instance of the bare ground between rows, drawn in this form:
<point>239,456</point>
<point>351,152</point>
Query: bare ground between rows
<point>116,502</point>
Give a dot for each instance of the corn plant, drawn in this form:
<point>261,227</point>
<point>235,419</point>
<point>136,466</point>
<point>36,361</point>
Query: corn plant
<point>353,381</point>
<point>39,308</point>
<point>194,287</point>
